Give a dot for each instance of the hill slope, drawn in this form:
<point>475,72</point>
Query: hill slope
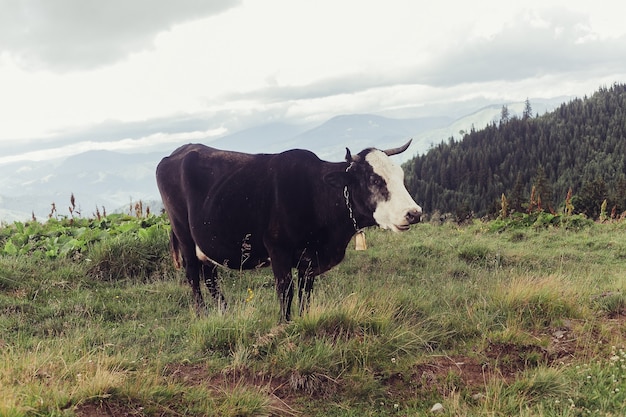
<point>581,145</point>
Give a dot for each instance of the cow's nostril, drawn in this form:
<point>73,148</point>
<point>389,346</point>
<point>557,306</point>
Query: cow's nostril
<point>413,216</point>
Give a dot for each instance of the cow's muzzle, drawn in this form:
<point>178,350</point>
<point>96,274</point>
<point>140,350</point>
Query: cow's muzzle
<point>413,216</point>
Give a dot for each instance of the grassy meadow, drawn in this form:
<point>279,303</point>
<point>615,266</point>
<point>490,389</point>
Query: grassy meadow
<point>488,319</point>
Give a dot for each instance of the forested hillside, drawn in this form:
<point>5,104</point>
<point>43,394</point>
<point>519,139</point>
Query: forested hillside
<point>581,145</point>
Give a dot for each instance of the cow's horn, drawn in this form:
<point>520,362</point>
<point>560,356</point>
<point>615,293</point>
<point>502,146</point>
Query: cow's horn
<point>396,151</point>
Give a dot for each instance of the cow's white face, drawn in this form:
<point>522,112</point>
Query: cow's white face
<point>395,209</point>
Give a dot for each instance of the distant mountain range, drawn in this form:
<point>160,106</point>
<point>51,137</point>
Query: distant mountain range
<point>96,178</point>
<point>113,180</point>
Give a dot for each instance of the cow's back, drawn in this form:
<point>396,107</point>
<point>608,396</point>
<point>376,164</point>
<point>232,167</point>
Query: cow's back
<point>214,200</point>
<point>198,157</point>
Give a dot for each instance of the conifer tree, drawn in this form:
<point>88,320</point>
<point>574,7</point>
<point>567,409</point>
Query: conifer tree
<point>528,110</point>
<point>542,188</point>
<point>517,197</point>
<point>590,198</point>
<point>504,115</point>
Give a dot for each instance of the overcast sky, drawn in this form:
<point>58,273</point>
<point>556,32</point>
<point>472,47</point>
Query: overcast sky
<point>129,73</point>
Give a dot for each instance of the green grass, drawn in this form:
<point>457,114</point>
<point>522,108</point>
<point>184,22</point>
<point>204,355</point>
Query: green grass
<point>486,319</point>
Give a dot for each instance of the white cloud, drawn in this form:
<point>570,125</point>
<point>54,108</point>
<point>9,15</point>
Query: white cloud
<point>70,35</point>
<point>74,65</point>
<point>127,144</point>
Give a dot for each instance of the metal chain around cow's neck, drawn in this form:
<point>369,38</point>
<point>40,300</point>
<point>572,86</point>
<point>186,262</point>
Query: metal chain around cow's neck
<point>346,195</point>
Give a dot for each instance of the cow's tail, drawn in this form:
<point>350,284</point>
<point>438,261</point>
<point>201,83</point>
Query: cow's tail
<point>175,250</point>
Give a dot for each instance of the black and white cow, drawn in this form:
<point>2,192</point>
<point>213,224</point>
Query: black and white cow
<point>287,210</point>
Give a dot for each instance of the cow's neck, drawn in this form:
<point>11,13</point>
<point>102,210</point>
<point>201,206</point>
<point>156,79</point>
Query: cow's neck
<point>357,221</point>
<point>347,219</point>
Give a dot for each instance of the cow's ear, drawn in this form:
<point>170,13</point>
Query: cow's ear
<point>348,155</point>
<point>338,179</point>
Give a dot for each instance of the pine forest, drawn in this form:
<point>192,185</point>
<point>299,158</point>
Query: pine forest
<point>572,159</point>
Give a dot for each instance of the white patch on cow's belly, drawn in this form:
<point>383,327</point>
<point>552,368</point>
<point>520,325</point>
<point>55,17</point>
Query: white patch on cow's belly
<point>203,258</point>
<point>200,255</point>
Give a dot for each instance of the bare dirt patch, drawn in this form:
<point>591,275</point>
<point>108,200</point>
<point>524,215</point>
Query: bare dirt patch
<point>198,374</point>
<point>452,373</point>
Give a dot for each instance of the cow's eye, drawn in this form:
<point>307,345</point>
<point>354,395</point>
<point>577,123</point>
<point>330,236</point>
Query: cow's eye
<point>377,181</point>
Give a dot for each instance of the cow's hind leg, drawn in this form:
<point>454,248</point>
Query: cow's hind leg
<point>183,252</point>
<point>306,278</point>
<point>209,274</point>
<point>281,267</point>
<point>192,271</point>
<point>284,289</point>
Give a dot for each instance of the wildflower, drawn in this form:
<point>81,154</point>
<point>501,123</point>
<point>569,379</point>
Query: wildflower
<point>250,295</point>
